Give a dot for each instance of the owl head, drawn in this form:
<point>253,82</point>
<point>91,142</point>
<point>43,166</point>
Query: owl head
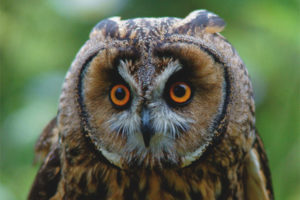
<point>153,91</point>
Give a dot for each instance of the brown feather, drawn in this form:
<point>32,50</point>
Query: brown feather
<point>258,178</point>
<point>48,177</point>
<point>47,139</point>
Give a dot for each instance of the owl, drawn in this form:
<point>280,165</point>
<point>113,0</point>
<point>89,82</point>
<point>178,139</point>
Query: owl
<point>154,108</point>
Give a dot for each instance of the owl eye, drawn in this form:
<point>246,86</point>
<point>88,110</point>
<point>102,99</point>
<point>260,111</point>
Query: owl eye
<point>119,95</point>
<point>180,93</point>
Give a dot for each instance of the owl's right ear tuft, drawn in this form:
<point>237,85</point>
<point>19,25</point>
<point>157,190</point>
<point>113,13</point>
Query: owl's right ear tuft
<point>201,20</point>
<point>107,27</point>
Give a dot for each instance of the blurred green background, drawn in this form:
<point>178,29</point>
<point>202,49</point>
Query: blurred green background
<point>39,39</point>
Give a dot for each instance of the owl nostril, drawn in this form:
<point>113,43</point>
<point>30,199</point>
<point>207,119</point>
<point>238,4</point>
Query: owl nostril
<point>146,126</point>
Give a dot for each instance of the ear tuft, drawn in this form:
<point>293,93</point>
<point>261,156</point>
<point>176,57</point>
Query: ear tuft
<point>200,20</point>
<point>108,27</point>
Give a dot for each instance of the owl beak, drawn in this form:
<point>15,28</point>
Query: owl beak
<point>146,126</point>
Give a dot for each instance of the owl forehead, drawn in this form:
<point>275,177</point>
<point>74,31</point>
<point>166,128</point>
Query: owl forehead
<point>148,28</point>
<point>139,29</point>
<point>142,65</point>
<point>145,71</point>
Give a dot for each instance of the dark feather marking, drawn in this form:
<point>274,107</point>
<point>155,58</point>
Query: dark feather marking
<point>234,194</point>
<point>46,181</point>
<point>74,152</point>
<point>101,190</point>
<point>109,26</point>
<point>225,191</point>
<point>132,188</point>
<point>165,185</point>
<point>82,182</point>
<point>89,197</point>
<point>201,21</point>
<point>119,177</point>
<point>125,54</point>
<point>264,164</point>
<point>143,192</point>
<point>72,156</point>
<point>83,70</point>
<point>130,27</point>
<point>213,177</point>
<point>199,174</point>
<point>196,195</point>
<point>252,111</point>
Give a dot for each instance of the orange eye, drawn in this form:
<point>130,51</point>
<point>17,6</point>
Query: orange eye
<point>180,92</point>
<point>119,95</point>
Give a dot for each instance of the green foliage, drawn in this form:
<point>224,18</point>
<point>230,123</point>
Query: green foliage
<point>38,43</point>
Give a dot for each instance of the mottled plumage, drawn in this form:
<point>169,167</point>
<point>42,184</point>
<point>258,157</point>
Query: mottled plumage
<point>154,108</point>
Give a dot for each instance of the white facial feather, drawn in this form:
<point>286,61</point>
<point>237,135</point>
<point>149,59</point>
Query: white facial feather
<point>124,73</point>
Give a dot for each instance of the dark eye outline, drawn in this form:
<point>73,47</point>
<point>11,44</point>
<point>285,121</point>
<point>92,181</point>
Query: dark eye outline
<point>114,100</point>
<point>168,93</point>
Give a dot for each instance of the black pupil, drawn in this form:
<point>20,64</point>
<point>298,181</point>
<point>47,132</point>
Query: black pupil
<point>179,90</point>
<point>120,93</point>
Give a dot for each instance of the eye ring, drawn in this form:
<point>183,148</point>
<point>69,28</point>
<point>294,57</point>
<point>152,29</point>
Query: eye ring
<point>180,93</point>
<point>119,95</point>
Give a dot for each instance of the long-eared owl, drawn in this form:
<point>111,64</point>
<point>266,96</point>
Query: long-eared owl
<point>154,108</point>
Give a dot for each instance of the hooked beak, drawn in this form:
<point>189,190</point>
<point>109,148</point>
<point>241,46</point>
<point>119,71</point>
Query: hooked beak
<point>146,126</point>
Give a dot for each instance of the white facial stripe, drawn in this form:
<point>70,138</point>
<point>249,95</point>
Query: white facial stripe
<point>192,156</point>
<point>112,157</point>
<point>124,73</point>
<point>161,80</point>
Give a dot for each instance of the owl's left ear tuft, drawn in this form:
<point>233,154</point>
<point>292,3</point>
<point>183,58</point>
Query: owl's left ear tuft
<point>201,20</point>
<point>107,27</point>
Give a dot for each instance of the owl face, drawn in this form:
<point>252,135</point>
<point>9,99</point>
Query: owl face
<point>149,91</point>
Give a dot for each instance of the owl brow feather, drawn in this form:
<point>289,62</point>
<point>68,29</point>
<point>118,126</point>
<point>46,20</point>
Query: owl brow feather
<point>124,73</point>
<point>158,87</point>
